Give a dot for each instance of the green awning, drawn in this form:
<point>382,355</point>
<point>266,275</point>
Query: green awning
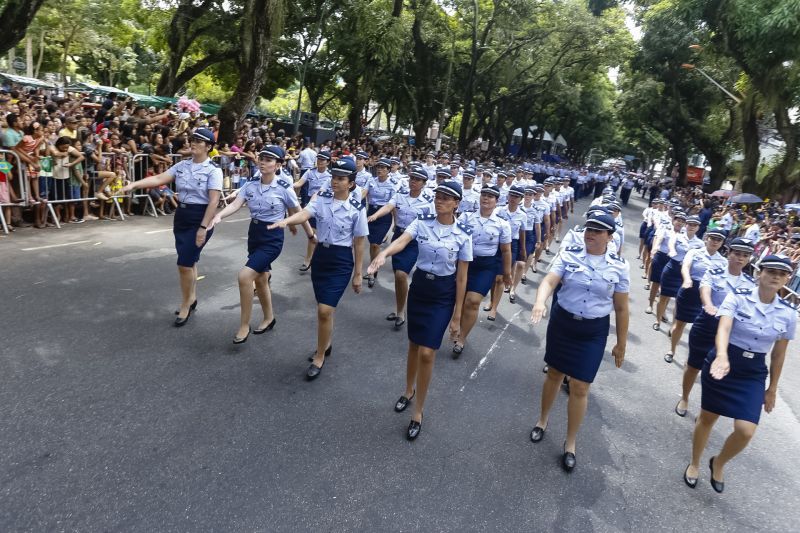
<point>27,82</point>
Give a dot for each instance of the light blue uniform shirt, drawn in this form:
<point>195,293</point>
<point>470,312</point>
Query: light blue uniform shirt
<point>700,262</point>
<point>317,180</point>
<point>722,284</point>
<point>756,327</point>
<point>408,208</point>
<point>684,244</point>
<point>666,234</point>
<point>338,221</point>
<point>533,217</point>
<point>194,180</point>
<point>503,200</point>
<point>362,178</point>
<point>380,192</point>
<point>487,233</point>
<point>542,208</point>
<point>440,246</point>
<point>470,201</point>
<point>268,203</point>
<point>517,219</point>
<point>588,287</point>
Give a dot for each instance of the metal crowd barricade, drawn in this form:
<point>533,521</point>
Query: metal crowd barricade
<point>22,176</point>
<point>92,195</point>
<point>132,176</point>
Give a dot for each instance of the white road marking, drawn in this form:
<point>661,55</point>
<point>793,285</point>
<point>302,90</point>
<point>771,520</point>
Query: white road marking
<point>54,246</point>
<point>157,231</point>
<point>485,359</point>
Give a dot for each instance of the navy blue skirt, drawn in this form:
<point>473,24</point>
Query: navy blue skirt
<point>379,228</point>
<point>482,272</point>
<point>431,300</point>
<point>643,230</point>
<point>688,304</point>
<point>671,279</point>
<point>263,245</point>
<point>188,218</point>
<point>530,241</point>
<point>575,347</point>
<point>740,394</point>
<point>657,265</point>
<point>406,258</point>
<point>331,271</point>
<point>649,235</point>
<point>701,339</point>
<point>514,251</point>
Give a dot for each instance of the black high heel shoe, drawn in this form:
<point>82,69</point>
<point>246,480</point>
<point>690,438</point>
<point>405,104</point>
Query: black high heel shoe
<point>180,322</point>
<point>414,429</point>
<point>191,308</point>
<point>268,328</point>
<point>718,486</point>
<point>242,340</point>
<point>328,353</point>
<point>568,460</point>
<point>403,402</point>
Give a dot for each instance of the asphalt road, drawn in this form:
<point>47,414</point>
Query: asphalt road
<point>113,420</point>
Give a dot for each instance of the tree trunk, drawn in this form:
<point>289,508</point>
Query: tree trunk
<point>15,18</point>
<point>780,181</point>
<point>719,169</point>
<point>262,22</point>
<point>752,152</point>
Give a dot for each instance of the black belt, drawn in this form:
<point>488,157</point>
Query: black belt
<point>578,317</point>
<point>256,221</point>
<point>430,276</point>
<point>329,245</point>
<point>184,205</point>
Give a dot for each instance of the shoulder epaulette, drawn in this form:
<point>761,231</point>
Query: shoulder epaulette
<point>465,228</point>
<point>393,180</point>
<point>355,203</point>
<point>427,196</point>
<point>401,190</point>
<point>615,257</point>
<point>284,184</point>
<point>748,277</point>
<point>423,216</point>
<point>521,208</point>
<point>214,164</point>
<point>716,271</point>
<point>575,248</point>
<point>742,290</point>
<point>326,194</point>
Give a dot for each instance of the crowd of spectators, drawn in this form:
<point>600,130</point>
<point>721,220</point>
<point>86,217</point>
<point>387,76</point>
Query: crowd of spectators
<point>773,227</point>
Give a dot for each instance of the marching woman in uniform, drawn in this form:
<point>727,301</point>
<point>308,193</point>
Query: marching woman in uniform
<point>380,189</point>
<point>594,280</point>
<point>341,228</point>
<point>679,245</point>
<point>199,184</point>
<point>491,256</point>
<point>268,199</point>
<point>735,371</point>
<point>716,284</point>
<point>520,257</point>
<point>533,230</point>
<point>515,215</point>
<point>695,264</point>
<point>406,205</point>
<point>437,291</point>
<point>309,184</point>
<point>661,244</point>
